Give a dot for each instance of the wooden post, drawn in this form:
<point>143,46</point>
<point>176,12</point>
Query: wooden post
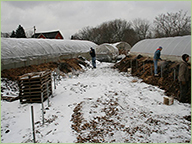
<point>48,94</point>
<point>29,82</point>
<point>131,66</point>
<point>58,73</point>
<point>33,126</point>
<point>42,107</point>
<point>143,66</point>
<point>161,71</point>
<point>54,76</point>
<point>174,74</point>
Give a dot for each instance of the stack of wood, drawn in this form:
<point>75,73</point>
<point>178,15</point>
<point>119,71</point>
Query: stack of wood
<point>35,87</point>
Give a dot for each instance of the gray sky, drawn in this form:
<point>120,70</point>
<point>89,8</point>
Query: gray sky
<point>71,16</point>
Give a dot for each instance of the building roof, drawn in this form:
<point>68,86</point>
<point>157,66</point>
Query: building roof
<point>50,35</point>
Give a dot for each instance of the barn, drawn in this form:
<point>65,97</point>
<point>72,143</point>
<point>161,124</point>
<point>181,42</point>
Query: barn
<point>173,47</point>
<point>24,52</point>
<point>49,35</point>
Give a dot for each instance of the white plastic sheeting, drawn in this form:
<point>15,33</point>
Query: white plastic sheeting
<point>172,46</point>
<point>106,52</point>
<point>18,50</point>
<point>123,47</point>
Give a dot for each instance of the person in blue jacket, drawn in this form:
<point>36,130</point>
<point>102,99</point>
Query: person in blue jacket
<point>93,56</point>
<point>157,57</point>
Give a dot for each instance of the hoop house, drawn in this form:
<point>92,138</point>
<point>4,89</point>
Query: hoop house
<point>106,52</point>
<point>173,47</point>
<point>25,52</point>
<point>123,47</point>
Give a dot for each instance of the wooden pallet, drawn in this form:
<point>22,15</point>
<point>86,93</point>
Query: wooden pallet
<point>33,85</point>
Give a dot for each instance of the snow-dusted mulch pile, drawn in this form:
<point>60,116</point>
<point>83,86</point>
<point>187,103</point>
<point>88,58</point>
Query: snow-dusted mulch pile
<point>99,105</point>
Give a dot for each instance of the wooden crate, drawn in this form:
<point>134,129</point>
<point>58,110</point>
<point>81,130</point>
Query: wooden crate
<point>168,100</point>
<point>32,85</point>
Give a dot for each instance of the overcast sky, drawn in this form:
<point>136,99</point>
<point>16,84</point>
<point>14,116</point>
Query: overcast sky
<point>71,16</point>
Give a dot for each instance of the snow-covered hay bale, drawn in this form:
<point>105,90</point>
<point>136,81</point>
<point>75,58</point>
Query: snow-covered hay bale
<point>106,52</point>
<point>24,52</point>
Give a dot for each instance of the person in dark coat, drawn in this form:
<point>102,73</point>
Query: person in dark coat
<point>183,78</point>
<point>93,55</point>
<point>156,57</point>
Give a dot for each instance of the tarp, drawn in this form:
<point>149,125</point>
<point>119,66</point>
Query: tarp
<point>172,46</point>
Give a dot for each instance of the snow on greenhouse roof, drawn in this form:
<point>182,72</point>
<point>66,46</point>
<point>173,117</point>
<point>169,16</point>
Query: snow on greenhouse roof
<point>21,48</point>
<point>174,46</point>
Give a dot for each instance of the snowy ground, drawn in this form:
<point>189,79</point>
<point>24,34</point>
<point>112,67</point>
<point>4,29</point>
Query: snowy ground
<point>99,105</point>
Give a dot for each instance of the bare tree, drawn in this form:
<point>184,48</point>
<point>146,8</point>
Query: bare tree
<point>119,26</point>
<point>130,37</point>
<point>172,24</point>
<point>141,27</point>
<point>108,32</point>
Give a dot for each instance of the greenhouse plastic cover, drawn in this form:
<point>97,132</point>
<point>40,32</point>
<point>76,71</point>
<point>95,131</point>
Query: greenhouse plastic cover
<point>107,49</point>
<point>174,46</point>
<point>122,45</point>
<point>22,49</point>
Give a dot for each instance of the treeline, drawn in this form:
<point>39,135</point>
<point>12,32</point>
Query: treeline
<point>20,33</point>
<point>164,25</point>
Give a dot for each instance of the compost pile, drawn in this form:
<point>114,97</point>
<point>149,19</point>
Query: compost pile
<point>65,66</point>
<point>143,68</point>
